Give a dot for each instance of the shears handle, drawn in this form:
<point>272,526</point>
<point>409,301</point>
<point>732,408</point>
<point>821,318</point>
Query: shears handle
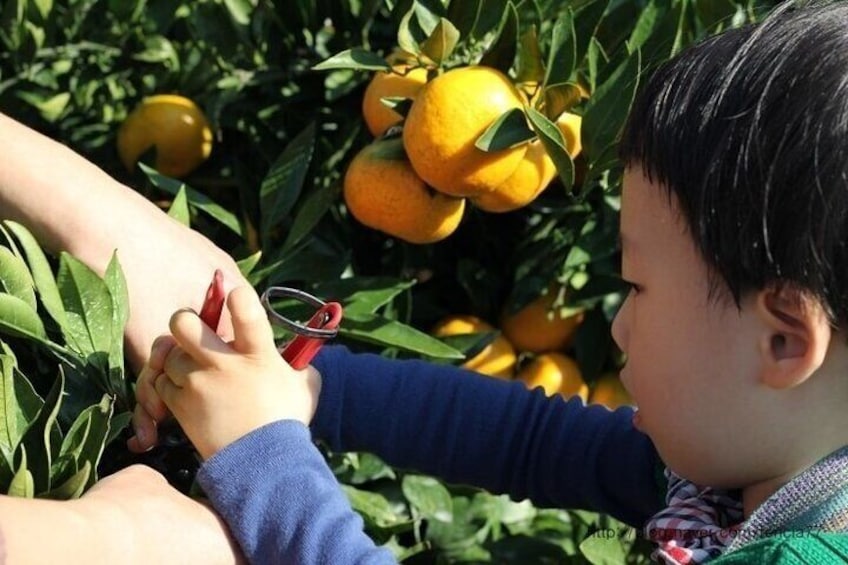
<point>301,349</point>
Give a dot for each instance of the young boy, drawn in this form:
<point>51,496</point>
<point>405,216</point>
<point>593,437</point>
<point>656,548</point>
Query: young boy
<point>734,230</point>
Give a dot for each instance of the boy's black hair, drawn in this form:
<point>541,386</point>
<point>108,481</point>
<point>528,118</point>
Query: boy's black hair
<point>749,130</point>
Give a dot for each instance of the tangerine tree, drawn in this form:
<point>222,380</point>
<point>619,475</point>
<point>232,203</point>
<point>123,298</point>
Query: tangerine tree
<point>417,160</point>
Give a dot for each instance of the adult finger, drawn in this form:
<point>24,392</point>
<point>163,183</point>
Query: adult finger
<point>251,330</point>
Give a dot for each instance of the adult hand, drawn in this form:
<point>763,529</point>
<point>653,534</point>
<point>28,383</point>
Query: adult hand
<point>142,519</point>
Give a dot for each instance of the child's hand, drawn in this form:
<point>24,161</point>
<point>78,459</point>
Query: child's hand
<point>219,392</point>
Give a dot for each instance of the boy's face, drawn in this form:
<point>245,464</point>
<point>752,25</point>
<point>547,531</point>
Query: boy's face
<point>691,359</point>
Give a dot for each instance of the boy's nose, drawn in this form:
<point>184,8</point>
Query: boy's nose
<point>619,326</point>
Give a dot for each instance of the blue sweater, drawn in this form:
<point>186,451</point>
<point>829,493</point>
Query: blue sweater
<point>283,504</point>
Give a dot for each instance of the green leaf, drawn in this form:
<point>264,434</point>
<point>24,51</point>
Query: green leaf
<point>195,198</point>
<point>429,497</point>
<point>563,55</point>
<point>249,263</point>
<point>552,139</point>
<point>42,273</point>
<point>530,67</point>
<point>44,7</point>
<point>23,484</point>
<point>373,507</point>
<point>117,424</point>
<point>441,43</point>
<point>40,442</point>
<point>15,278</point>
<point>645,26</point>
<point>240,10</point>
<point>501,53</point>
<point>74,486</point>
<point>18,406</point>
<point>179,208</point>
<point>490,15</point>
<point>586,21</point>
<point>51,108</point>
<point>599,550</point>
<point>357,59</point>
<point>399,104</point>
<point>607,110</point>
<point>363,295</point>
<point>88,305</point>
<point>283,184</point>
<point>464,15</point>
<point>18,319</point>
<point>391,333</point>
<point>313,209</point>
<point>85,440</point>
<point>509,130</point>
<point>116,284</point>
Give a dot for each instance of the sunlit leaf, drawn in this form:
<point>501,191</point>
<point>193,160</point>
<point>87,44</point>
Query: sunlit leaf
<point>509,130</point>
<point>356,58</point>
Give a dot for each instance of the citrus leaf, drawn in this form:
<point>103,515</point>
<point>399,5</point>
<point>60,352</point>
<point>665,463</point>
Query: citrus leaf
<point>283,184</point>
<point>249,263</point>
<point>22,484</point>
<point>357,59</point>
<point>647,23</point>
<point>85,440</point>
<point>381,331</point>
<point>608,108</point>
<point>586,22</point>
<point>363,295</point>
<point>509,130</point>
<point>407,31</point>
<point>464,15</point>
<point>42,273</point>
<point>240,10</point>
<point>399,104</point>
<point>563,55</point>
<point>116,284</point>
<point>88,305</point>
<point>179,208</point>
<point>559,98</point>
<point>310,213</point>
<point>441,43</point>
<point>18,319</point>
<point>41,440</point>
<point>600,550</point>
<point>429,497</point>
<point>74,486</point>
<point>490,15</point>
<point>501,53</point>
<point>195,198</point>
<point>529,67</point>
<point>373,507</point>
<point>552,139</point>
<point>15,278</point>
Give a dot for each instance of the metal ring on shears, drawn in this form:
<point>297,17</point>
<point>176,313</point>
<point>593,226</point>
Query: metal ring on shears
<point>296,327</point>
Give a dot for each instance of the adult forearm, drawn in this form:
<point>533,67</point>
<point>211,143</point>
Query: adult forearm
<point>50,531</point>
<point>58,194</point>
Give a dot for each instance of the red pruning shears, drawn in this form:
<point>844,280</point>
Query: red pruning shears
<point>298,352</point>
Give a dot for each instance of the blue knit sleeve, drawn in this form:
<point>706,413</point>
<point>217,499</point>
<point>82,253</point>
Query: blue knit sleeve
<point>282,503</point>
<point>470,429</point>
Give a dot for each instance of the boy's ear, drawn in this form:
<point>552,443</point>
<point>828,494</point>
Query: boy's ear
<point>795,336</point>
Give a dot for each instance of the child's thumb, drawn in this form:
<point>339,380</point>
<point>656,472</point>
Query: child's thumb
<point>251,330</point>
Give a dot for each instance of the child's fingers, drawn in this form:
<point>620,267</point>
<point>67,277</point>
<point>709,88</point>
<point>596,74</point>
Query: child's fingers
<point>146,434</point>
<point>146,396</point>
<point>167,390</point>
<point>158,351</point>
<point>251,329</point>
<point>196,338</point>
<point>178,366</point>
